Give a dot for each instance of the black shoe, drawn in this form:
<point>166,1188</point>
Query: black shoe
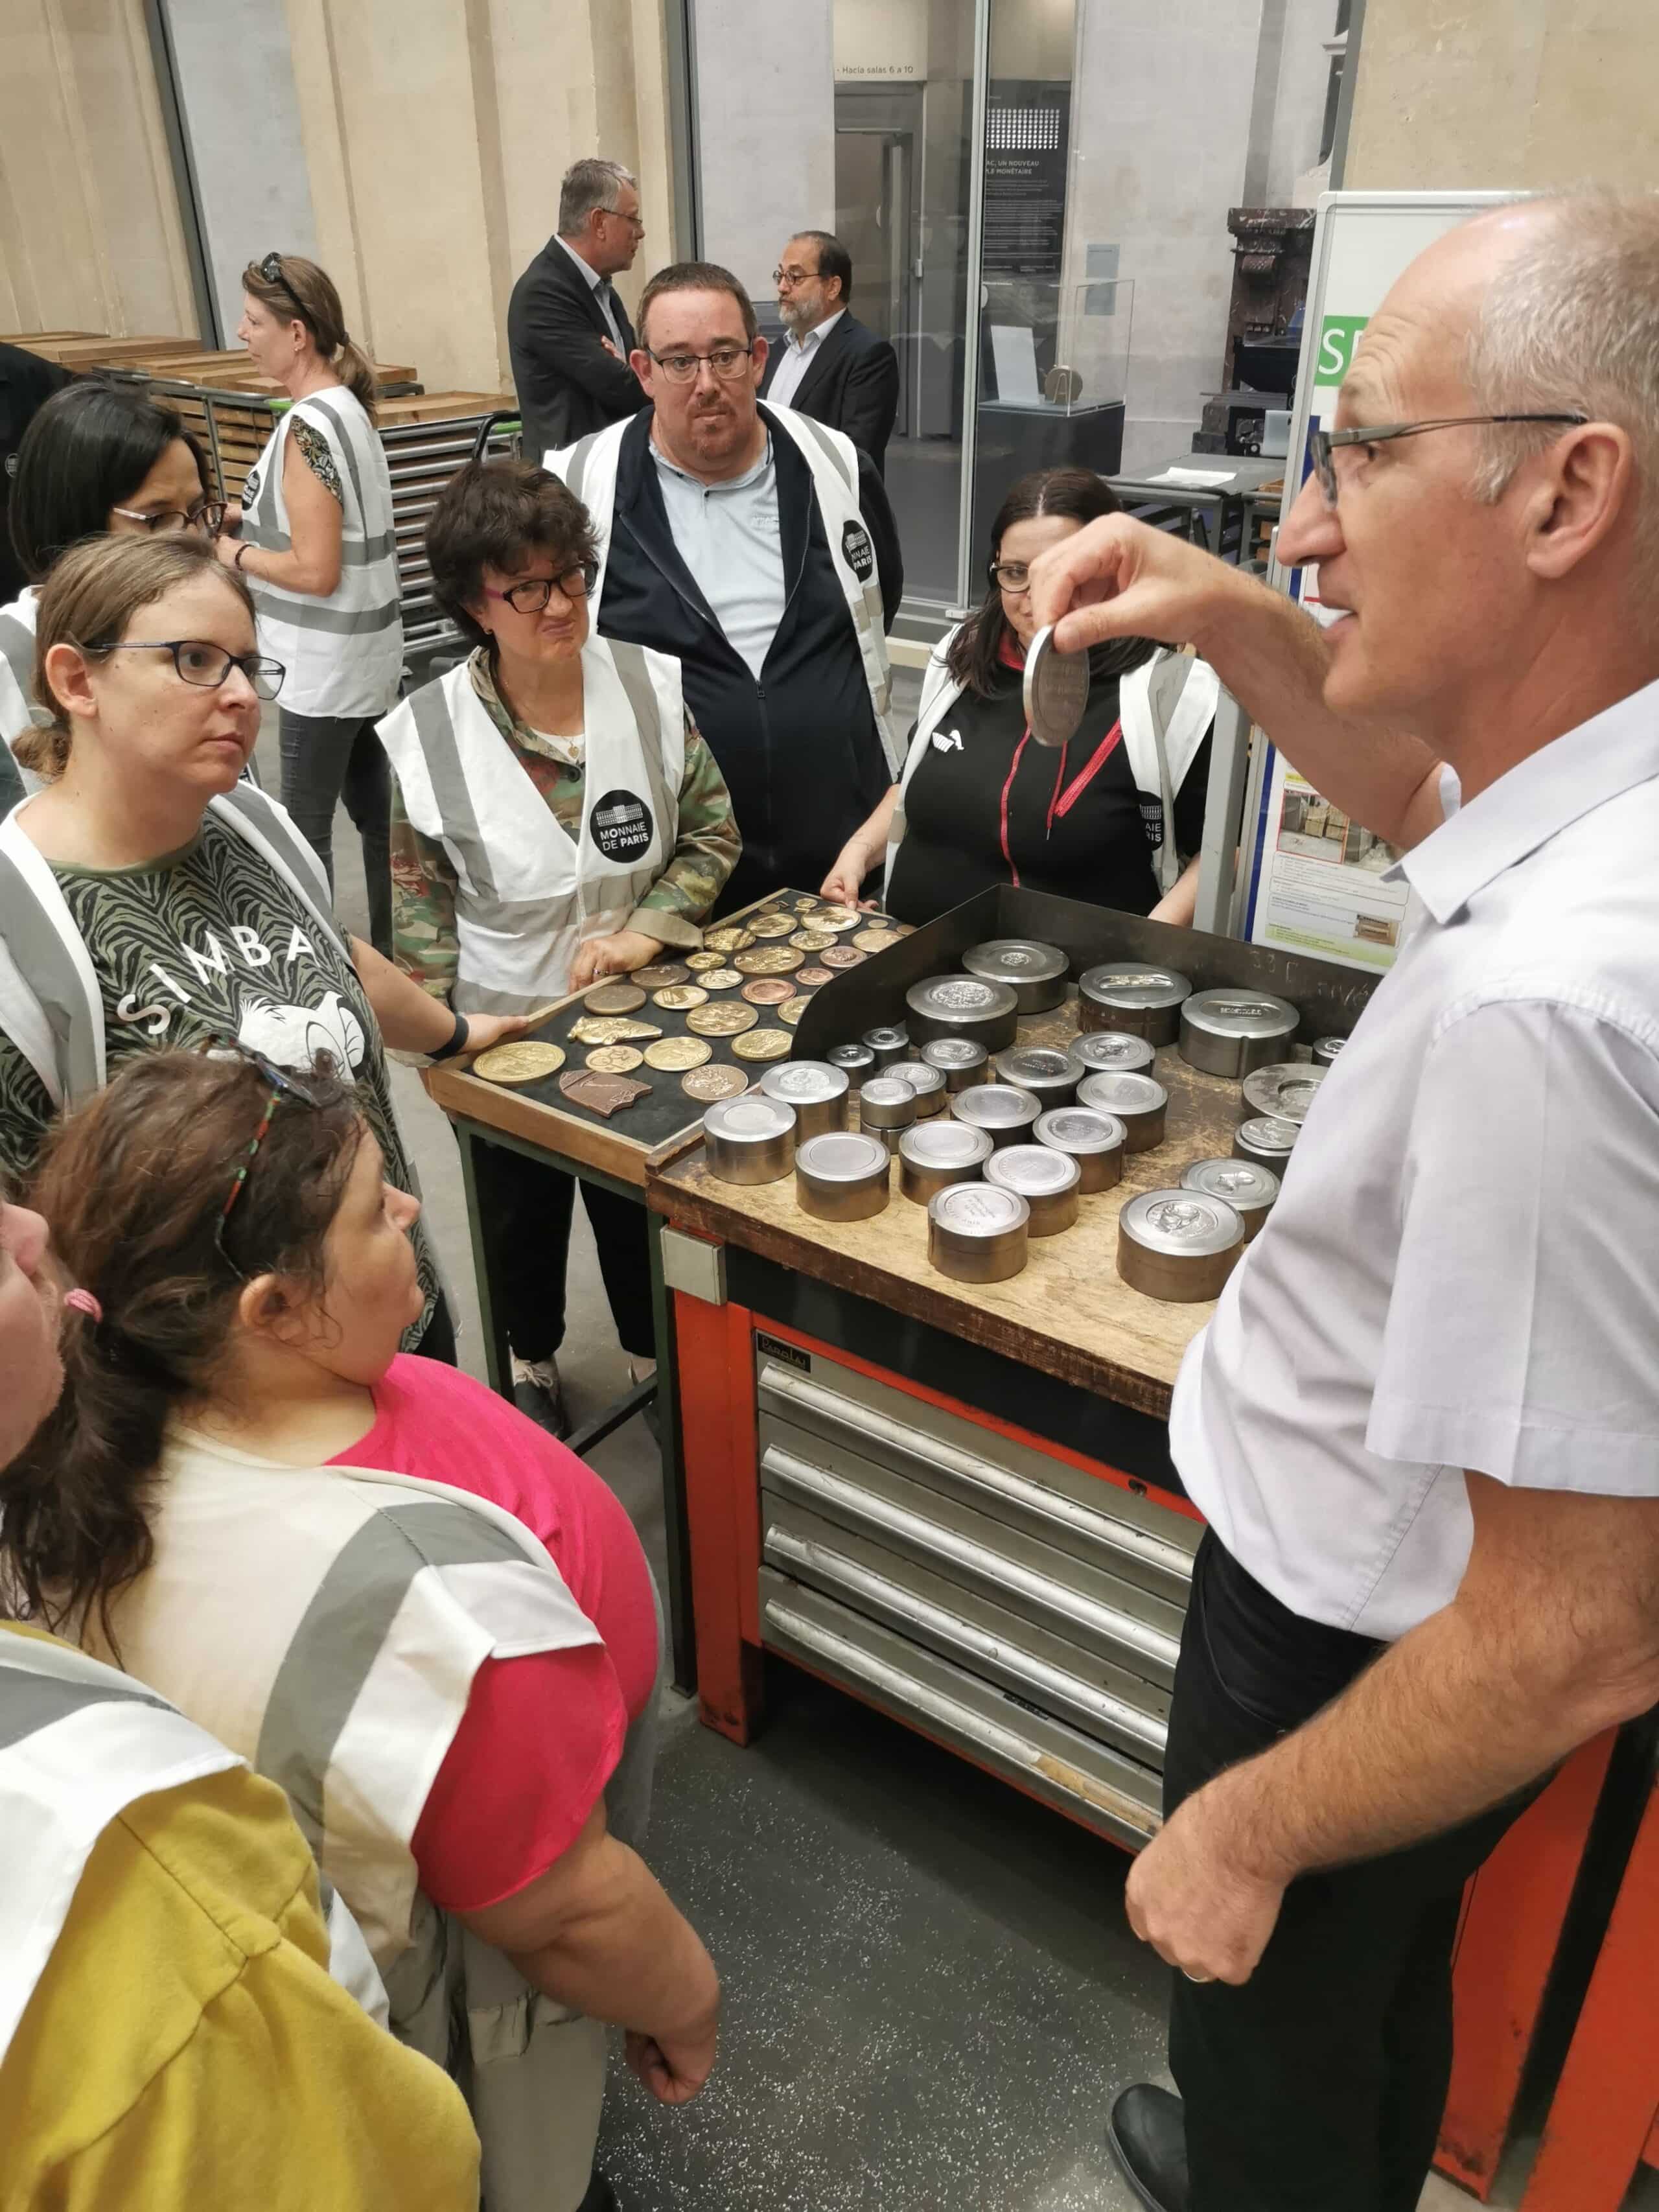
<point>600,2198</point>
<point>537,1392</point>
<point>1148,2135</point>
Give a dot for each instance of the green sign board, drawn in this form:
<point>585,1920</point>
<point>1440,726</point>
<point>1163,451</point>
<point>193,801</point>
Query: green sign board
<point>1338,336</point>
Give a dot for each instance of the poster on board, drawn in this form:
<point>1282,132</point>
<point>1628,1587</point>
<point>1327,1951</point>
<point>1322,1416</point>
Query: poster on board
<point>1315,881</point>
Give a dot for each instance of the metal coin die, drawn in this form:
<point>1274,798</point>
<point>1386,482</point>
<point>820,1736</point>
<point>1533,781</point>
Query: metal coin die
<point>1178,1245</point>
<point>1134,995</point>
<point>1325,1050</point>
<point>936,1154</point>
<point>962,1006</point>
<point>1232,1032</point>
<point>857,1061</point>
<point>1138,1101</point>
<point>887,1106</point>
<point>1267,1140</point>
<point>750,1140</point>
<point>928,1082</point>
<point>817,1092</point>
<point>1095,1140</point>
<point>889,1042</point>
<point>977,1233</point>
<point>1249,1190</point>
<point>1006,1115</point>
<point>842,1176</point>
<point>1056,689</point>
<point>959,1060</point>
<point>1051,1076</point>
<point>1037,972</point>
<point>1285,1091</point>
<point>614,999</point>
<point>1050,1182</point>
<point>1112,1052</point>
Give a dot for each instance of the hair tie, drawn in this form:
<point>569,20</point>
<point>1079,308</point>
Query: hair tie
<point>82,1302</point>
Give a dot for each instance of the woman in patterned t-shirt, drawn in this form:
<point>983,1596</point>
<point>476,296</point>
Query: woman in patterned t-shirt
<point>145,899</point>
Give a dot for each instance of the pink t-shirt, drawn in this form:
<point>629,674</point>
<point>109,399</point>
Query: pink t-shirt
<point>495,1818</point>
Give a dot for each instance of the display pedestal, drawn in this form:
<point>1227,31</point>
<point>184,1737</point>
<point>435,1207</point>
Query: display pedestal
<point>1015,438</point>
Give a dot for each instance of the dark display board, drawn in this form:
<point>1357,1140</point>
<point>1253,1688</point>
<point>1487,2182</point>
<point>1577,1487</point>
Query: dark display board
<point>1028,124</point>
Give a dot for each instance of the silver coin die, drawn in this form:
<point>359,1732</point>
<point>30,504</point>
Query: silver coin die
<point>1230,1031</point>
<point>1050,1182</point>
<point>818,1093</point>
<point>842,1176</point>
<point>936,1154</point>
<point>750,1138</point>
<point>1094,1139</point>
<point>977,1233</point>
<point>1139,1102</point>
<point>1178,1245</point>
<point>958,1060</point>
<point>962,1006</point>
<point>1036,972</point>
<point>1006,1114</point>
<point>1051,1076</point>
<point>925,1080</point>
<point>1111,1052</point>
<point>1137,996</point>
<point>1248,1187</point>
<point>1285,1091</point>
<point>1267,1140</point>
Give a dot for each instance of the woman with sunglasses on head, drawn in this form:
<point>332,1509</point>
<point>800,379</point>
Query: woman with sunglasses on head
<point>148,897</point>
<point>556,819</point>
<point>373,1580</point>
<point>97,458</point>
<point>1115,818</point>
<point>313,536</point>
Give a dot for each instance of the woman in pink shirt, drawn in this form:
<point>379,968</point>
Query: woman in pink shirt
<point>239,1383</point>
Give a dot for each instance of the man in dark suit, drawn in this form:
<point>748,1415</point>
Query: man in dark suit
<point>568,333</point>
<point>830,366</point>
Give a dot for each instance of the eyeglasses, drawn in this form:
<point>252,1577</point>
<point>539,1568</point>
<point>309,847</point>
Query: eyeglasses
<point>1012,577</point>
<point>284,1084</point>
<point>206,666</point>
<point>531,593</point>
<point>726,361</point>
<point>788,278</point>
<point>1321,443</point>
<point>633,221</point>
<point>207,516</point>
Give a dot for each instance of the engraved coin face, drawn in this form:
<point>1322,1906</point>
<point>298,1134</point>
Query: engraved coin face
<point>768,960</point>
<point>707,1084</point>
<point>1181,1218</point>
<point>658,977</point>
<point>813,940</point>
<point>875,941</point>
<point>724,1018</point>
<point>519,1063</point>
<point>719,979</point>
<point>834,917</point>
<point>763,1044</point>
<point>610,1029</point>
<point>807,902</point>
<point>1056,689</point>
<point>810,979</point>
<point>677,1054</point>
<point>844,955</point>
<point>963,995</point>
<point>725,940</point>
<point>700,963</point>
<point>792,1010</point>
<point>614,999</point>
<point>679,997</point>
<point>771,925</point>
<point>614,1060</point>
<point>768,991</point>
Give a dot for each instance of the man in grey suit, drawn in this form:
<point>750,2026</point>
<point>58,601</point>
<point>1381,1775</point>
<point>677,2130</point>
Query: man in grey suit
<point>568,333</point>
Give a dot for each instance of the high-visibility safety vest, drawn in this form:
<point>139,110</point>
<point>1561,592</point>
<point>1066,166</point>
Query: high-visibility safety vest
<point>343,655</point>
<point>327,1624</point>
<point>589,470</point>
<point>80,1742</point>
<point>50,1005</point>
<point>529,893</point>
<point>1166,705</point>
<point>18,711</point>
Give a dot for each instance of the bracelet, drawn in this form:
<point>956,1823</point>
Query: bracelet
<point>457,1040</point>
<point>239,556</point>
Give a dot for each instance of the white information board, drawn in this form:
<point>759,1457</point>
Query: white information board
<point>1310,880</point>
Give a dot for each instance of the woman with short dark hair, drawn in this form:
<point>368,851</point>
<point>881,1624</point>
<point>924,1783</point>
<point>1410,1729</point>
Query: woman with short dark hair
<point>1116,819</point>
<point>556,818</point>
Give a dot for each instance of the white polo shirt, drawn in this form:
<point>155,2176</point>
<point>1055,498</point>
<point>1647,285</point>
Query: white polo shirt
<point>1462,1270</point>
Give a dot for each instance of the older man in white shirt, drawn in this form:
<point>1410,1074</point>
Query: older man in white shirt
<point>1423,1424</point>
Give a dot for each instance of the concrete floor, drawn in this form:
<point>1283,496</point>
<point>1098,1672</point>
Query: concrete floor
<point>930,1992</point>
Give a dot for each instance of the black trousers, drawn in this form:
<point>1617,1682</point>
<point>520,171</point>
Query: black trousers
<point>1317,2086</point>
<point>527,1209</point>
<point>327,760</point>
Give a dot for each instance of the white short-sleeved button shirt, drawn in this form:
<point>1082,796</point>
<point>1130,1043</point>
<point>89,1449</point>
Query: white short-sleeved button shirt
<point>1463,1268</point>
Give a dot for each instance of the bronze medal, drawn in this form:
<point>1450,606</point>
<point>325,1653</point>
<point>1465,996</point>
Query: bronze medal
<point>677,1054</point>
<point>768,960</point>
<point>707,1084</point>
<point>601,1094</point>
<point>679,997</point>
<point>763,1044</point>
<point>842,955</point>
<point>768,991</point>
<point>519,1063</point>
<point>614,999</point>
<point>656,978</point>
<point>724,1017</point>
<point>813,979</point>
<point>614,1059</point>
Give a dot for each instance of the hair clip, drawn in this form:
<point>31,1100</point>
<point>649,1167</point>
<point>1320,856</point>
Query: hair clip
<point>82,1302</point>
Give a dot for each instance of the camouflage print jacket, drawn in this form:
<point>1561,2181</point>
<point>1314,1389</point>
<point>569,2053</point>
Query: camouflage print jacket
<point>423,881</point>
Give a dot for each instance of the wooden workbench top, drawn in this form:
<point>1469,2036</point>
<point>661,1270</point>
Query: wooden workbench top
<point>1066,1314</point>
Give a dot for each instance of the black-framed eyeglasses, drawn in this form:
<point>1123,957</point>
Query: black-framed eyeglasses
<point>197,662</point>
<point>284,1084</point>
<point>1322,444</point>
<point>1013,577</point>
<point>726,361</point>
<point>207,516</point>
<point>531,593</point>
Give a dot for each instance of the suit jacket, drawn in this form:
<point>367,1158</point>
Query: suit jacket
<point>852,384</point>
<point>566,383</point>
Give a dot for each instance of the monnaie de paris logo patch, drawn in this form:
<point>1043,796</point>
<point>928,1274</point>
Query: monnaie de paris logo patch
<point>620,825</point>
<point>857,551</point>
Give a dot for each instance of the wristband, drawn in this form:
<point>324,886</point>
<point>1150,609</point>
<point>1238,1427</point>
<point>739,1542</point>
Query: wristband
<point>238,557</point>
<point>457,1041</point>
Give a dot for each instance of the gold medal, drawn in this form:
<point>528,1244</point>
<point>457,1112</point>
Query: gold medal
<point>662,973</point>
<point>615,1059</point>
<point>812,979</point>
<point>876,940</point>
<point>719,979</point>
<point>768,960</point>
<point>834,917</point>
<point>697,962</point>
<point>708,1084</point>
<point>519,1063</point>
<point>813,940</point>
<point>676,1053</point>
<point>842,955</point>
<point>726,1018</point>
<point>807,902</point>
<point>726,940</point>
<point>771,925</point>
<point>763,1044</point>
<point>678,997</point>
<point>614,999</point>
<point>610,1028</point>
<point>792,1010</point>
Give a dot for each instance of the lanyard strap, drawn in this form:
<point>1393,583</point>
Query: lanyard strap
<point>1063,803</point>
<point>1013,873</point>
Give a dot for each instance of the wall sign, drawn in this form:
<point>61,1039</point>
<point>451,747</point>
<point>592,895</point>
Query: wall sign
<point>1027,133</point>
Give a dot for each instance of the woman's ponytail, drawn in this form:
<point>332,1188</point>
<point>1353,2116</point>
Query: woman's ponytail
<point>357,374</point>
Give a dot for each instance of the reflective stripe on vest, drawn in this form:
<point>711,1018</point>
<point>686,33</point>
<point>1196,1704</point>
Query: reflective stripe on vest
<point>18,710</point>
